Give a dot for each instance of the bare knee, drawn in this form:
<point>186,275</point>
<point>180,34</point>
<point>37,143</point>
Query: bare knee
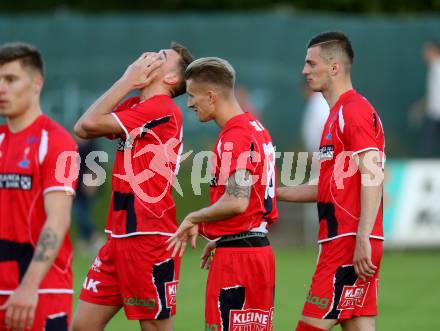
<point>363,323</point>
<point>157,325</point>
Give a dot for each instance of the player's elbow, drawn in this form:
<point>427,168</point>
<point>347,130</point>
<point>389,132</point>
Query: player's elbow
<point>84,129</point>
<point>240,205</point>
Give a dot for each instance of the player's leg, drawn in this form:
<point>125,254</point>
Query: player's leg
<point>314,324</point>
<point>100,297</point>
<point>148,278</point>
<point>157,325</point>
<point>240,289</point>
<point>92,317</point>
<point>362,323</point>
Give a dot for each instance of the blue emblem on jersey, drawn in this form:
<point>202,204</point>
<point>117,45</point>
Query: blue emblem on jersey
<point>328,136</point>
<point>32,139</point>
<point>25,162</point>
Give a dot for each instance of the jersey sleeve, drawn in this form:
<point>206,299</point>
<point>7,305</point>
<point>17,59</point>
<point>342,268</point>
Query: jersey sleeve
<point>133,119</point>
<point>238,145</point>
<point>358,126</point>
<point>58,154</point>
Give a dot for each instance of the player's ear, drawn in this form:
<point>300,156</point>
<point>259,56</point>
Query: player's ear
<point>335,67</point>
<point>38,82</point>
<point>212,96</point>
<point>171,78</point>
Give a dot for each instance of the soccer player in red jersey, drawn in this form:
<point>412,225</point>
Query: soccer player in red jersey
<point>349,195</point>
<point>37,158</point>
<point>241,280</point>
<point>133,270</point>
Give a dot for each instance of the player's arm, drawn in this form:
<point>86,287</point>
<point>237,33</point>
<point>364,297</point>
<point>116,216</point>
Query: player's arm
<point>21,305</point>
<point>371,196</point>
<point>234,201</point>
<point>299,193</point>
<point>98,120</point>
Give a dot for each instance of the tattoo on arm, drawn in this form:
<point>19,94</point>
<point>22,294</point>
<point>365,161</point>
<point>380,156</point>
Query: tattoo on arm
<point>48,241</point>
<point>239,184</point>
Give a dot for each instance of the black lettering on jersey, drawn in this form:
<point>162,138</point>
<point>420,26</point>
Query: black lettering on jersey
<point>16,182</point>
<point>230,298</point>
<point>213,182</point>
<point>345,276</point>
<point>374,120</point>
<point>251,152</point>
<point>152,124</point>
<point>162,274</point>
<point>20,252</point>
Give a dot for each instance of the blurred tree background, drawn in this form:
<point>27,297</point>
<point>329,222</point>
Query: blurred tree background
<point>352,6</point>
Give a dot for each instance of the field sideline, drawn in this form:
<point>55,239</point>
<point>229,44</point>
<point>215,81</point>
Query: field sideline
<point>408,296</point>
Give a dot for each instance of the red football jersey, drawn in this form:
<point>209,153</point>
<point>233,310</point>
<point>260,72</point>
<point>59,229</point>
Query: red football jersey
<point>353,126</point>
<point>30,167</point>
<point>146,163</point>
<point>244,144</point>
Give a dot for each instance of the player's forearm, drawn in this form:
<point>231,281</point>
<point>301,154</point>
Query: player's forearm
<point>90,120</point>
<point>371,197</point>
<point>371,171</point>
<point>51,237</point>
<point>226,207</point>
<point>299,193</point>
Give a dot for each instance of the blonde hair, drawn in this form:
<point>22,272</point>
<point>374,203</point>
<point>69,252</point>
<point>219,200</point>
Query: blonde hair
<point>212,70</point>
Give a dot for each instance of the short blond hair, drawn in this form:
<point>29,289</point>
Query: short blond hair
<point>212,70</point>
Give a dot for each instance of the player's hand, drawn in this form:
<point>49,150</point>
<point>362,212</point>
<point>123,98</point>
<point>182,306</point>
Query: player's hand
<point>363,265</point>
<point>187,230</point>
<point>20,308</point>
<point>207,255</point>
<point>143,71</point>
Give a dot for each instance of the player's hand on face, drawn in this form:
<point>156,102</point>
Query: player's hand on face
<point>207,255</point>
<point>143,71</point>
<point>20,308</point>
<point>363,265</point>
<point>179,240</point>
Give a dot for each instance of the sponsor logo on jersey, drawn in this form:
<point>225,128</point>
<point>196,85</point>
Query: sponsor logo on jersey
<point>326,152</point>
<point>211,327</point>
<point>140,302</point>
<point>96,264</point>
<point>91,285</point>
<point>16,181</point>
<point>124,144</point>
<point>171,290</point>
<point>353,296</point>
<point>250,320</point>
<point>315,300</point>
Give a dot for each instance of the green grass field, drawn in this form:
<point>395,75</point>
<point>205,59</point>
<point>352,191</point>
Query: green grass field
<point>408,297</point>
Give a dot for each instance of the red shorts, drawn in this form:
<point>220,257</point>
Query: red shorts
<point>53,312</point>
<point>136,273</point>
<point>336,291</point>
<point>240,289</point>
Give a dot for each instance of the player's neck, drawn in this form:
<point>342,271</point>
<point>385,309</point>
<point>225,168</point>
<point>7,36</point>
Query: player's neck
<point>151,91</point>
<point>333,94</point>
<point>22,121</point>
<point>227,110</point>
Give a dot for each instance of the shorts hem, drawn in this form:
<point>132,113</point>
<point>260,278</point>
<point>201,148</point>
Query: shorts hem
<point>101,302</point>
<point>143,317</point>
